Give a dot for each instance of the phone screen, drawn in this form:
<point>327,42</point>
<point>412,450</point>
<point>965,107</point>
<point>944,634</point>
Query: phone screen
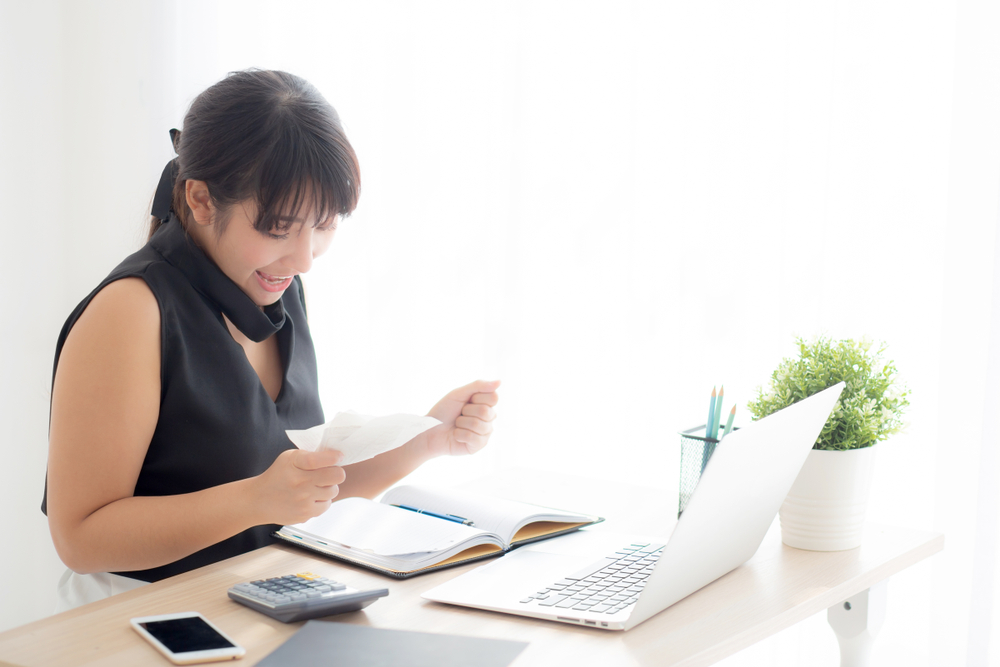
<point>182,635</point>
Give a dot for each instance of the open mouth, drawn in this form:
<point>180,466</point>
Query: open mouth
<point>273,283</point>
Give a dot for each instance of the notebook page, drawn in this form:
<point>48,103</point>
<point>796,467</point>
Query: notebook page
<point>362,524</point>
<point>495,515</point>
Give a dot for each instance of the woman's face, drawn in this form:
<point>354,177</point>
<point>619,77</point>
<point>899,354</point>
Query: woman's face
<point>263,264</point>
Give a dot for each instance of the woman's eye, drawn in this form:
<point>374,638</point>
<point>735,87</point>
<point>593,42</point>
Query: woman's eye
<point>330,226</point>
<point>278,233</point>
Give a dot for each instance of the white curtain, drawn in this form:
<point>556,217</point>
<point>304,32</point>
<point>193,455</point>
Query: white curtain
<point>614,206</point>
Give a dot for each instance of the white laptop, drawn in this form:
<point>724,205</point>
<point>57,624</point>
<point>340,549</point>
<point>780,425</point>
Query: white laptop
<point>613,581</point>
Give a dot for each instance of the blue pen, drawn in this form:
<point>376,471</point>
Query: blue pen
<point>446,517</point>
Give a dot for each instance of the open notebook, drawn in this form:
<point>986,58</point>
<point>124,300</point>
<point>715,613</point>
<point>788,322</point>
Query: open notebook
<point>400,542</point>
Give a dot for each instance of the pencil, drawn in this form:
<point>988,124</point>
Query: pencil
<point>729,422</point>
<point>718,413</point>
<point>711,415</point>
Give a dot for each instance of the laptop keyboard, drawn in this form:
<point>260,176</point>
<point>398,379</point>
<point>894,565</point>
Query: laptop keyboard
<point>606,586</point>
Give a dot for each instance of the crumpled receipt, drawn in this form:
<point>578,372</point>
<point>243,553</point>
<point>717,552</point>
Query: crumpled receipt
<point>361,437</point>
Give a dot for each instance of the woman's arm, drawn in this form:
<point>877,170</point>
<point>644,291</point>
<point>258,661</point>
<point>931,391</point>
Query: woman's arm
<point>466,415</point>
<point>105,405</point>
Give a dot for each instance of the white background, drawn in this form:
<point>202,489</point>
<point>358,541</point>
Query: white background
<point>611,206</point>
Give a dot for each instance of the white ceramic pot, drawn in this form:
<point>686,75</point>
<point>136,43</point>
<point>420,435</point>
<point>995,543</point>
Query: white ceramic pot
<point>825,508</point>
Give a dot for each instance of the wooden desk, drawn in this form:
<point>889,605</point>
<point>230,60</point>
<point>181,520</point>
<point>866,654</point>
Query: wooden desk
<point>778,587</point>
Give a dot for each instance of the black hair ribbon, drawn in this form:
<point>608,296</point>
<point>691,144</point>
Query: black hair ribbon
<point>163,199</point>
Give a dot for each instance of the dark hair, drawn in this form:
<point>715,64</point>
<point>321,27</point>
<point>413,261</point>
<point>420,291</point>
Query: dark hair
<point>268,137</point>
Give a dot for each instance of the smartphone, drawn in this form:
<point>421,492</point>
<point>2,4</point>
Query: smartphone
<point>187,638</point>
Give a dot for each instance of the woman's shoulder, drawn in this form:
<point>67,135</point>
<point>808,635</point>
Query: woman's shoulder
<point>124,310</point>
<point>115,342</point>
<point>129,296</point>
<point>126,299</point>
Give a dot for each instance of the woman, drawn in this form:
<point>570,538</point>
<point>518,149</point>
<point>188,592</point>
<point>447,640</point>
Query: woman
<point>176,378</point>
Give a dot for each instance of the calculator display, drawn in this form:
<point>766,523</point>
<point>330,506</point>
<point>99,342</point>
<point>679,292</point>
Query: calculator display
<point>182,635</point>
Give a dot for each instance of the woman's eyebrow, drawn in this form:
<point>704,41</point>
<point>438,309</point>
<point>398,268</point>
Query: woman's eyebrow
<point>298,220</point>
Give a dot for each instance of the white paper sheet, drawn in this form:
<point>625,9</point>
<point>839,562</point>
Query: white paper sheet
<point>361,437</point>
<point>384,530</point>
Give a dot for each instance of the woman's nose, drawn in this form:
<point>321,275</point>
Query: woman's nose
<point>301,257</point>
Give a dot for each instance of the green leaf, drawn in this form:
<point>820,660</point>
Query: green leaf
<point>871,406</point>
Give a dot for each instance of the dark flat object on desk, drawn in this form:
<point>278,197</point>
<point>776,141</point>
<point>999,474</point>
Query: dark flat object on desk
<point>322,643</point>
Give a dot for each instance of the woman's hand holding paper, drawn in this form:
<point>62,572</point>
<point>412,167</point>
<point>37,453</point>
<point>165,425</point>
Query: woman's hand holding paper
<point>298,486</point>
<point>466,415</point>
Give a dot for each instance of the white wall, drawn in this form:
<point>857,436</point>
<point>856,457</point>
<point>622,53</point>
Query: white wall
<point>611,206</point>
<point>86,100</point>
<point>33,253</point>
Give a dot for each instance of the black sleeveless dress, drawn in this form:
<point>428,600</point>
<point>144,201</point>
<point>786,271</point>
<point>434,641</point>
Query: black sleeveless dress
<point>217,424</point>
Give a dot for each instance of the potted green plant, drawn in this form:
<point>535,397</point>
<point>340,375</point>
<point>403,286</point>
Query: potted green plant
<point>825,508</point>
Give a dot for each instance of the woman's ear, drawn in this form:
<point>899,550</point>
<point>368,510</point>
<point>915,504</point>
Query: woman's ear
<point>200,202</point>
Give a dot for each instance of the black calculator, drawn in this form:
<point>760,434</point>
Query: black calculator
<point>298,597</point>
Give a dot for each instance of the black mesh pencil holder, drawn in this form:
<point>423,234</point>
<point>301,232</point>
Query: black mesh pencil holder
<point>696,450</point>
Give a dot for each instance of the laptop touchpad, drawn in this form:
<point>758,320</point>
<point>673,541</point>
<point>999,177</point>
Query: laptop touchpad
<point>585,543</point>
<point>508,578</point>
